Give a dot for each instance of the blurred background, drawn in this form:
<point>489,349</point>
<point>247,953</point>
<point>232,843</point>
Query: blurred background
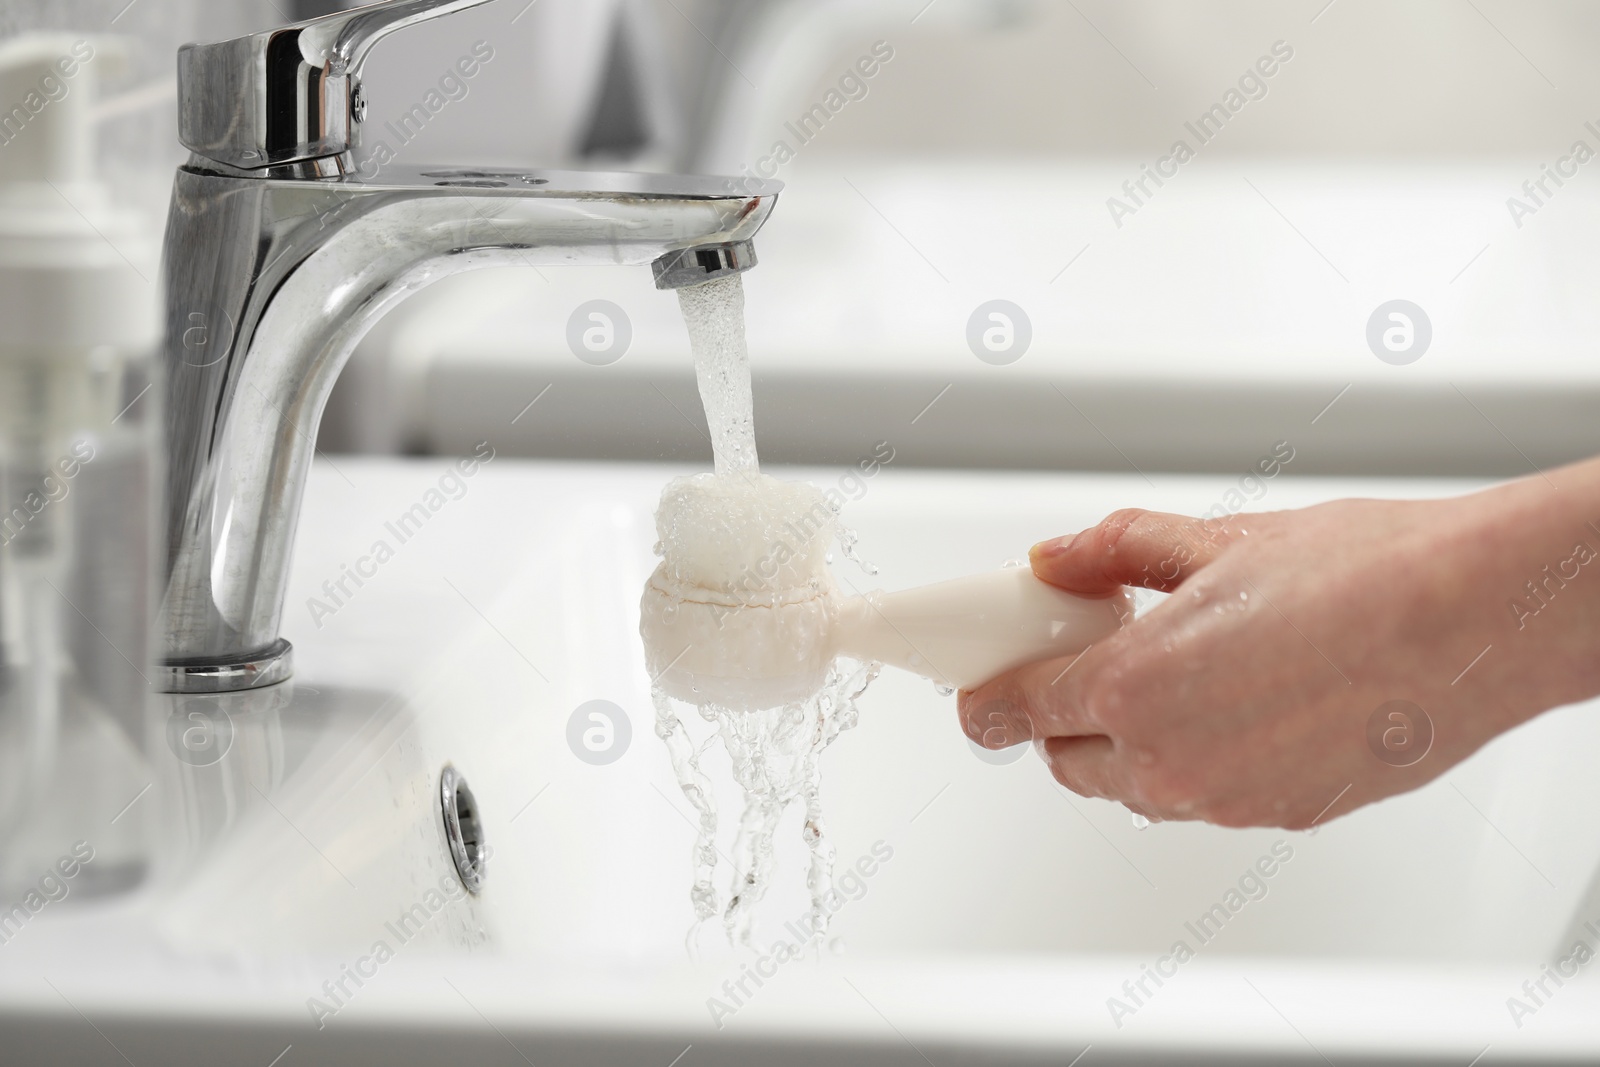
<point>1016,236</point>
<point>984,158</point>
<point>1224,314</point>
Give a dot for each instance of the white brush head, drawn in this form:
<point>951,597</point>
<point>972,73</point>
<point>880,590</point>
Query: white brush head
<point>739,613</point>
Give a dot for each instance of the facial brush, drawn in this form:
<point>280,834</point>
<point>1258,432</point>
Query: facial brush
<point>707,647</point>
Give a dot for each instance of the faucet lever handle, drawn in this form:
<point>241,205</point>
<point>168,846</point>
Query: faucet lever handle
<point>289,94</point>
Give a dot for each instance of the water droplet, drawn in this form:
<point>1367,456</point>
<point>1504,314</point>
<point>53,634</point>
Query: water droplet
<point>1244,597</point>
<point>836,946</point>
<point>944,690</point>
<point>1015,563</point>
<point>1140,822</point>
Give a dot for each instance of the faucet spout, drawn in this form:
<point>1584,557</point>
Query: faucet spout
<point>271,282</point>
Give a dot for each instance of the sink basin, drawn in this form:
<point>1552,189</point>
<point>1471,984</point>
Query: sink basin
<point>1001,915</point>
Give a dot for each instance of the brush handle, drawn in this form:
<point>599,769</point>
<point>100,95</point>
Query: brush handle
<point>963,632</point>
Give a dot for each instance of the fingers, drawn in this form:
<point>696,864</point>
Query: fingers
<point>1083,762</point>
<point>1089,766</point>
<point>1048,703</point>
<point>1044,699</point>
<point>993,721</point>
<point>1131,547</point>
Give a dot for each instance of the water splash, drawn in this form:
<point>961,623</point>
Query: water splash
<point>847,545</point>
<point>773,755</point>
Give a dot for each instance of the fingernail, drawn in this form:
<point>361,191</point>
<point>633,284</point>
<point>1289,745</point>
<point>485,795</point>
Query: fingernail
<point>1058,546</point>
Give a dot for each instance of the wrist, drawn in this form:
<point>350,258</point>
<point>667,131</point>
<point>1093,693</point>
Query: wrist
<point>1540,559</point>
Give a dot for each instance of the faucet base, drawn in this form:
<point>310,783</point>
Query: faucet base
<point>273,665</point>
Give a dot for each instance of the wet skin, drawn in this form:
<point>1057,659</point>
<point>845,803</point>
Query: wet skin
<point>1244,699</point>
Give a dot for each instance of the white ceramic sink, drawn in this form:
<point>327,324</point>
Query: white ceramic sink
<point>1009,912</point>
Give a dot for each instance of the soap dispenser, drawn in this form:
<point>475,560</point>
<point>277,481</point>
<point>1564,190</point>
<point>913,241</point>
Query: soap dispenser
<point>79,315</point>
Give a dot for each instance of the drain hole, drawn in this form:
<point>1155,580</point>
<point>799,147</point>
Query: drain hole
<point>463,830</point>
<point>475,183</point>
<point>710,259</point>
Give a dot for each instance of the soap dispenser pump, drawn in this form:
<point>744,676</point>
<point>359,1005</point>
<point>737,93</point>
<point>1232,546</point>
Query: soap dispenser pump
<point>79,318</point>
<point>76,270</point>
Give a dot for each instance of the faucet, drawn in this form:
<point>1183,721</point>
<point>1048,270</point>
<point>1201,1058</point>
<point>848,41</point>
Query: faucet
<point>281,252</point>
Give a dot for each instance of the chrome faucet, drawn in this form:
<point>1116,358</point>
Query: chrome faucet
<point>281,252</point>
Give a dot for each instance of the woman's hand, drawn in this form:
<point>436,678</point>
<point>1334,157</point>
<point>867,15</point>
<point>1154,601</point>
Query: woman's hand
<point>1260,692</point>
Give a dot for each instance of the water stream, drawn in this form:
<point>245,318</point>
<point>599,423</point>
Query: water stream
<point>773,753</point>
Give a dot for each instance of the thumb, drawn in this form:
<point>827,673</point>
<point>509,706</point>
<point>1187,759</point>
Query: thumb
<point>1151,549</point>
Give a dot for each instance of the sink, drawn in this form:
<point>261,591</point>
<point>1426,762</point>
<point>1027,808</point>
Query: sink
<point>1000,916</point>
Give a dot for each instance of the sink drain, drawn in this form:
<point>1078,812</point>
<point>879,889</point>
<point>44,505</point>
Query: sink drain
<point>462,830</point>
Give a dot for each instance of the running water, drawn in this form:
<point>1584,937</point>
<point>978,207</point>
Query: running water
<point>773,753</point>
<point>714,313</point>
